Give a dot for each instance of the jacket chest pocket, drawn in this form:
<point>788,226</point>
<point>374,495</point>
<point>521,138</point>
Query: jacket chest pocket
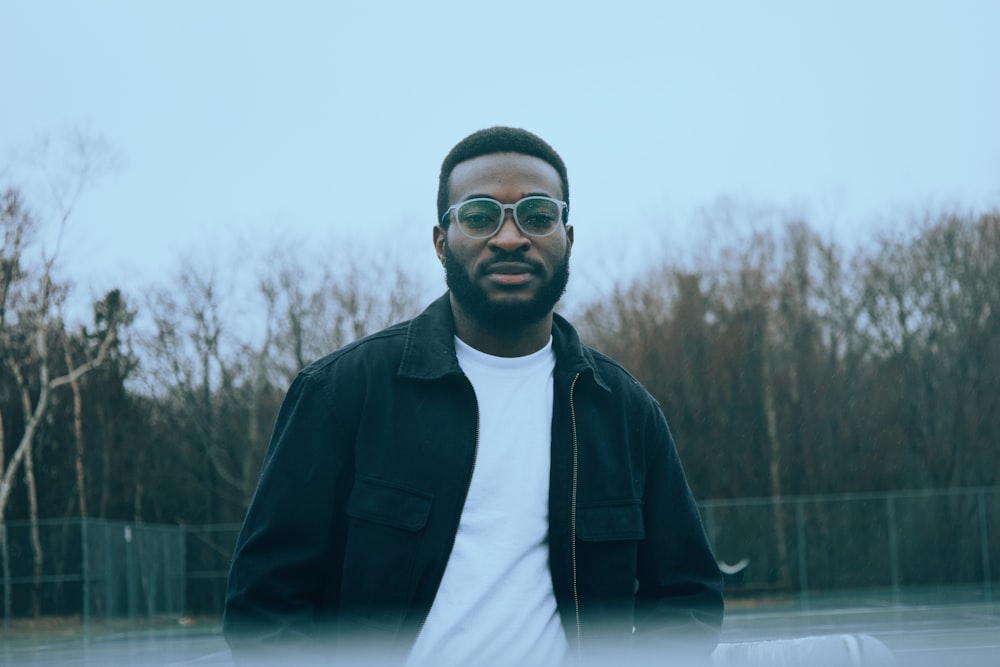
<point>608,535</point>
<point>383,540</point>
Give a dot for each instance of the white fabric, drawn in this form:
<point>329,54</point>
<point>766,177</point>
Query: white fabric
<point>495,605</point>
<point>817,651</point>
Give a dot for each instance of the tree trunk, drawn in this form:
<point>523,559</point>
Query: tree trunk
<point>81,487</point>
<point>774,469</point>
<point>34,417</point>
<point>4,559</point>
<point>37,554</point>
<point>140,465</point>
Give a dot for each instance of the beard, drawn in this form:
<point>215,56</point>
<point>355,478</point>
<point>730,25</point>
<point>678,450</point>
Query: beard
<point>499,314</point>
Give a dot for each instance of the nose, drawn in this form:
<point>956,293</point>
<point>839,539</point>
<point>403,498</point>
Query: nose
<point>509,236</point>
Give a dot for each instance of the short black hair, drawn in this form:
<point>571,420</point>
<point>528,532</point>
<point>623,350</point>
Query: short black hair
<point>499,140</point>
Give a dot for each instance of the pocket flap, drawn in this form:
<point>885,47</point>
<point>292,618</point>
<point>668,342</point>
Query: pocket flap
<point>385,503</point>
<point>612,520</point>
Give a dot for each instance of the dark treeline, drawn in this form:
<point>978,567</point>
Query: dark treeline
<point>787,368</point>
<point>784,364</point>
<point>784,368</point>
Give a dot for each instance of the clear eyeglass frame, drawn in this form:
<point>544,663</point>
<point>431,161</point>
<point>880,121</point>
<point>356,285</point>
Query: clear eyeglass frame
<point>561,217</point>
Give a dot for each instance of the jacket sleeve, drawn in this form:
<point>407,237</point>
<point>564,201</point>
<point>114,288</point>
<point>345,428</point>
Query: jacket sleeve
<point>282,577</point>
<point>679,601</point>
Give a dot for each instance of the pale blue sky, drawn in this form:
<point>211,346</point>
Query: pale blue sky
<point>239,122</point>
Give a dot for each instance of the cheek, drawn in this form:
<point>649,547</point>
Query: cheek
<point>457,254</point>
<point>461,248</point>
<point>559,249</point>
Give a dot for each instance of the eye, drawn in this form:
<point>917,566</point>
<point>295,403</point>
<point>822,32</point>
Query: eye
<point>478,216</point>
<point>538,215</point>
<point>540,221</point>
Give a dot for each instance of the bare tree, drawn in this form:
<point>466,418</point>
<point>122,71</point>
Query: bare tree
<point>31,326</point>
<point>26,342</point>
<point>931,306</point>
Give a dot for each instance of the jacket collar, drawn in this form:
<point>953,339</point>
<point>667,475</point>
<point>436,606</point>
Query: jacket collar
<point>429,352</point>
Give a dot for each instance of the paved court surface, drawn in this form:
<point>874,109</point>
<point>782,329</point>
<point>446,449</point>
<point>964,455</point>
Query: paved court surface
<point>947,629</point>
<point>923,629</point>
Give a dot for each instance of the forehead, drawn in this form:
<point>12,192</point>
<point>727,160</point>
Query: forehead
<point>503,176</point>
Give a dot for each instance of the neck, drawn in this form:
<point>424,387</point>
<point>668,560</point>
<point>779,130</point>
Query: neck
<point>516,341</point>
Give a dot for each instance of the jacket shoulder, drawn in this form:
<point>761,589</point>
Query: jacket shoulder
<point>621,382</point>
<point>382,347</point>
<point>611,371</point>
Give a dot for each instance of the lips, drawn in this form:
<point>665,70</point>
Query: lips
<point>509,273</point>
<point>510,268</point>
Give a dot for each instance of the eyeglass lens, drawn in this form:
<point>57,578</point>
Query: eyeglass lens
<point>536,216</point>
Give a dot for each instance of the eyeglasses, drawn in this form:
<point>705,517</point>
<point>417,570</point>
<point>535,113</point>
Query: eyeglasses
<point>482,217</point>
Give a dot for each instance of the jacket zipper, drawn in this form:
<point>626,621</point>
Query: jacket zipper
<point>468,485</point>
<point>572,517</point>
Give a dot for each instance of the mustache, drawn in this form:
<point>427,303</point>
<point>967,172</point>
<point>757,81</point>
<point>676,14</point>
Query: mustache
<point>499,257</point>
<point>504,257</point>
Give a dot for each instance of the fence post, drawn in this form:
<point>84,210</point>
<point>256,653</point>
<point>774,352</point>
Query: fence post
<point>108,583</point>
<point>984,542</point>
<point>890,510</point>
<point>5,556</point>
<point>800,533</point>
<point>85,576</point>
<point>131,596</point>
<point>182,566</point>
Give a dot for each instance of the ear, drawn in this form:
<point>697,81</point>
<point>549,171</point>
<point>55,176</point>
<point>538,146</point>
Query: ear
<point>569,239</point>
<point>439,240</point>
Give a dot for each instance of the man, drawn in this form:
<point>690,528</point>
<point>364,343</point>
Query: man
<point>475,486</point>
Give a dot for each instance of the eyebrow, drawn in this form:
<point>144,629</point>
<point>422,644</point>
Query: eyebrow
<point>530,194</point>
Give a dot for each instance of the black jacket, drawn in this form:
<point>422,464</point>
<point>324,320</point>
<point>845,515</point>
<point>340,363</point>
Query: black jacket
<point>364,481</point>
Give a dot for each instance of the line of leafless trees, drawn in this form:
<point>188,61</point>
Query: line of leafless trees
<point>786,365</point>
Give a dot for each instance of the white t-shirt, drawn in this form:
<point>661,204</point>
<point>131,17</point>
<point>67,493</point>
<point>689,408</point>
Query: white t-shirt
<point>495,605</point>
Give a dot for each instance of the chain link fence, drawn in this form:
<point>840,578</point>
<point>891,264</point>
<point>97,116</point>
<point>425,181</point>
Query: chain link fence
<point>104,571</point>
<point>893,541</point>
<point>94,569</point>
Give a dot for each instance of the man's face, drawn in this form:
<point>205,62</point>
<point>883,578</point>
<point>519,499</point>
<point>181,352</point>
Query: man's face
<point>510,279</point>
